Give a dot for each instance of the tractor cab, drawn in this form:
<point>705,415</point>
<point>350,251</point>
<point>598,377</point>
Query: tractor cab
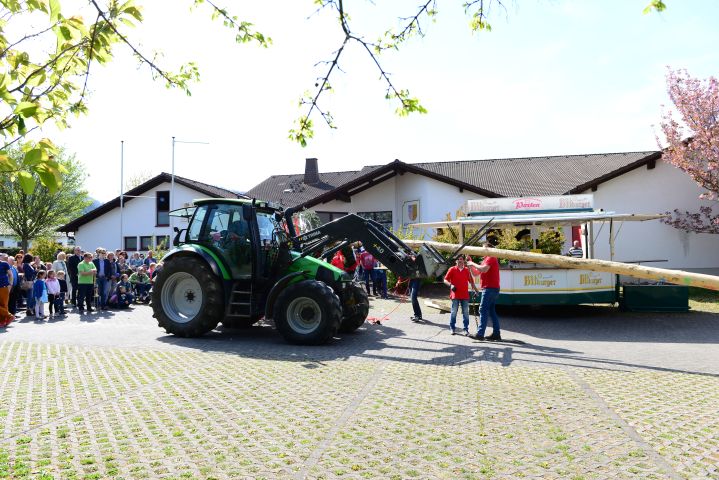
<point>243,235</point>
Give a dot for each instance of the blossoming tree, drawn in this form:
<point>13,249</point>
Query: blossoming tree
<point>693,145</point>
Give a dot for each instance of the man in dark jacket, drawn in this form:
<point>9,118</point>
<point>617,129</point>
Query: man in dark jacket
<point>104,273</point>
<point>72,264</point>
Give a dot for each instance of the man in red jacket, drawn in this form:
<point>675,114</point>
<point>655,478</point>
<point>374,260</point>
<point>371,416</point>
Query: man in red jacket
<point>489,283</point>
<point>458,279</point>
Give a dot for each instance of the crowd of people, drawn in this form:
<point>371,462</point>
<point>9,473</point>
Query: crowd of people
<point>82,280</point>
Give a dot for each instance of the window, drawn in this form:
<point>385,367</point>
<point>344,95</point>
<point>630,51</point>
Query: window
<point>131,244</point>
<point>385,218</point>
<point>19,244</point>
<point>2,243</point>
<point>196,226</point>
<point>163,209</point>
<point>162,241</point>
<point>326,217</point>
<point>145,243</point>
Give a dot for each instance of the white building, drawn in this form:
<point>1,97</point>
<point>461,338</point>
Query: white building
<point>143,222</point>
<point>399,193</point>
<point>10,240</point>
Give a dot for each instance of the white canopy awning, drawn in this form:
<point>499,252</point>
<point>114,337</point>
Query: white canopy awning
<point>546,219</point>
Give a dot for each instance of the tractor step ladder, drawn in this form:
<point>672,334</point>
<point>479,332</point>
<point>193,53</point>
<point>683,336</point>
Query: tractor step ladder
<point>240,305</point>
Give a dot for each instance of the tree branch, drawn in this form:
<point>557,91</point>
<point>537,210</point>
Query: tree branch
<point>124,39</point>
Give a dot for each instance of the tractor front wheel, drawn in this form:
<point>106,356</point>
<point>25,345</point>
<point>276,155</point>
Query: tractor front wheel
<point>356,309</point>
<point>187,298</point>
<point>308,313</point>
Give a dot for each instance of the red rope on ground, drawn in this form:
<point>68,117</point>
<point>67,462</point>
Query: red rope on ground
<point>395,292</point>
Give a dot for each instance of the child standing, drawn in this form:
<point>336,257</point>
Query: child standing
<point>39,293</point>
<point>63,291</point>
<point>53,290</point>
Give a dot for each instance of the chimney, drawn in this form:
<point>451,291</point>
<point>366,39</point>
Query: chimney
<point>312,173</point>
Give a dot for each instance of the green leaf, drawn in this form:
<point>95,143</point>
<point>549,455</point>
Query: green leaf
<point>26,109</point>
<point>33,157</point>
<point>46,144</point>
<point>27,183</point>
<point>54,10</point>
<point>51,180</point>
<point>8,164</point>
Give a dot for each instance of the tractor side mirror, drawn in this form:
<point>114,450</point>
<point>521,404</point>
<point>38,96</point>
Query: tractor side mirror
<point>176,240</point>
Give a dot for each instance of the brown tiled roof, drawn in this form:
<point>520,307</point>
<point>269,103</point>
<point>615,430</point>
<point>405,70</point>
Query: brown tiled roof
<point>290,190</point>
<point>203,188</point>
<point>506,177</point>
<point>557,175</point>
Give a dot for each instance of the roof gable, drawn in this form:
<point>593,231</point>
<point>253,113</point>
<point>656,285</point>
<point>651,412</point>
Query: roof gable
<point>203,188</point>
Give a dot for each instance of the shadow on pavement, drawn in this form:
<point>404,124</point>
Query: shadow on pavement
<point>382,342</point>
<point>609,324</point>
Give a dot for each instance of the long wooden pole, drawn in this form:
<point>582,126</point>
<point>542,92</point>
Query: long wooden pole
<point>678,277</point>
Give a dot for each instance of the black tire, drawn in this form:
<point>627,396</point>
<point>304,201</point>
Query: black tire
<point>176,311</point>
<point>308,313</point>
<point>356,309</point>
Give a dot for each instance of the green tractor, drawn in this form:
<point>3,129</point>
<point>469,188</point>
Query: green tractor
<point>241,260</point>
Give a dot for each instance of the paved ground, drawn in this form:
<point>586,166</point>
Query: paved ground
<point>592,393</point>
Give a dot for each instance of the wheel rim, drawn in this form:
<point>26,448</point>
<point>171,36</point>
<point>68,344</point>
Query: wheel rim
<point>181,297</point>
<point>304,315</point>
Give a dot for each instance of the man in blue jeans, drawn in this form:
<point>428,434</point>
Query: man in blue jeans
<point>489,283</point>
<point>458,279</point>
<point>414,286</point>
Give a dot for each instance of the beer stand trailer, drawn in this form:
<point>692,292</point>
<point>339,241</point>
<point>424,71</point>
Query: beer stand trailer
<point>525,283</point>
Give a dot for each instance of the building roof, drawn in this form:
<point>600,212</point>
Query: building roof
<point>556,175</point>
<point>203,188</point>
<point>506,177</point>
<point>291,190</point>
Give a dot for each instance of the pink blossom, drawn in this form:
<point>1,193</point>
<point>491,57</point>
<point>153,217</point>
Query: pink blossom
<point>693,144</point>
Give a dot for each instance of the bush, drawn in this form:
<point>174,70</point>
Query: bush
<point>46,249</point>
<point>549,241</point>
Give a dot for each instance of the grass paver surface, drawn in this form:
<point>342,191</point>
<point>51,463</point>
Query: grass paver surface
<point>73,411</point>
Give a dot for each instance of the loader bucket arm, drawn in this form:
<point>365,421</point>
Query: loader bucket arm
<point>376,239</point>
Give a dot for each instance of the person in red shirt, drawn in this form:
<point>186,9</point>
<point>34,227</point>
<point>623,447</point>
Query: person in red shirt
<point>458,279</point>
<point>338,260</point>
<point>489,283</point>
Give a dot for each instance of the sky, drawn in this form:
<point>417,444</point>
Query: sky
<point>553,77</point>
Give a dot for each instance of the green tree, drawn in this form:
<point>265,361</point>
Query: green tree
<point>38,213</point>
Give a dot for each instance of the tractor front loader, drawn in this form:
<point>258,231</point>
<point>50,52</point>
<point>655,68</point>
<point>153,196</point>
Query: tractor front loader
<point>239,261</point>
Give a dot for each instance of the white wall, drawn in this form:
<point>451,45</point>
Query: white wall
<point>380,198</point>
<point>11,241</point>
<point>436,198</point>
<point>658,190</point>
<point>138,220</point>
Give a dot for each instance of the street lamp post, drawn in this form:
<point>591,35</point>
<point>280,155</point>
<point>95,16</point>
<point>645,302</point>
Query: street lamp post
<point>122,191</point>
<point>172,181</point>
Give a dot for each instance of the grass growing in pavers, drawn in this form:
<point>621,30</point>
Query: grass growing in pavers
<point>677,414</point>
<point>89,412</point>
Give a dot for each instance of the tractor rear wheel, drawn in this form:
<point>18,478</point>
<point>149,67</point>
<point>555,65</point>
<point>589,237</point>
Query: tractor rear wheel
<point>187,298</point>
<point>355,309</point>
<point>308,313</point>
